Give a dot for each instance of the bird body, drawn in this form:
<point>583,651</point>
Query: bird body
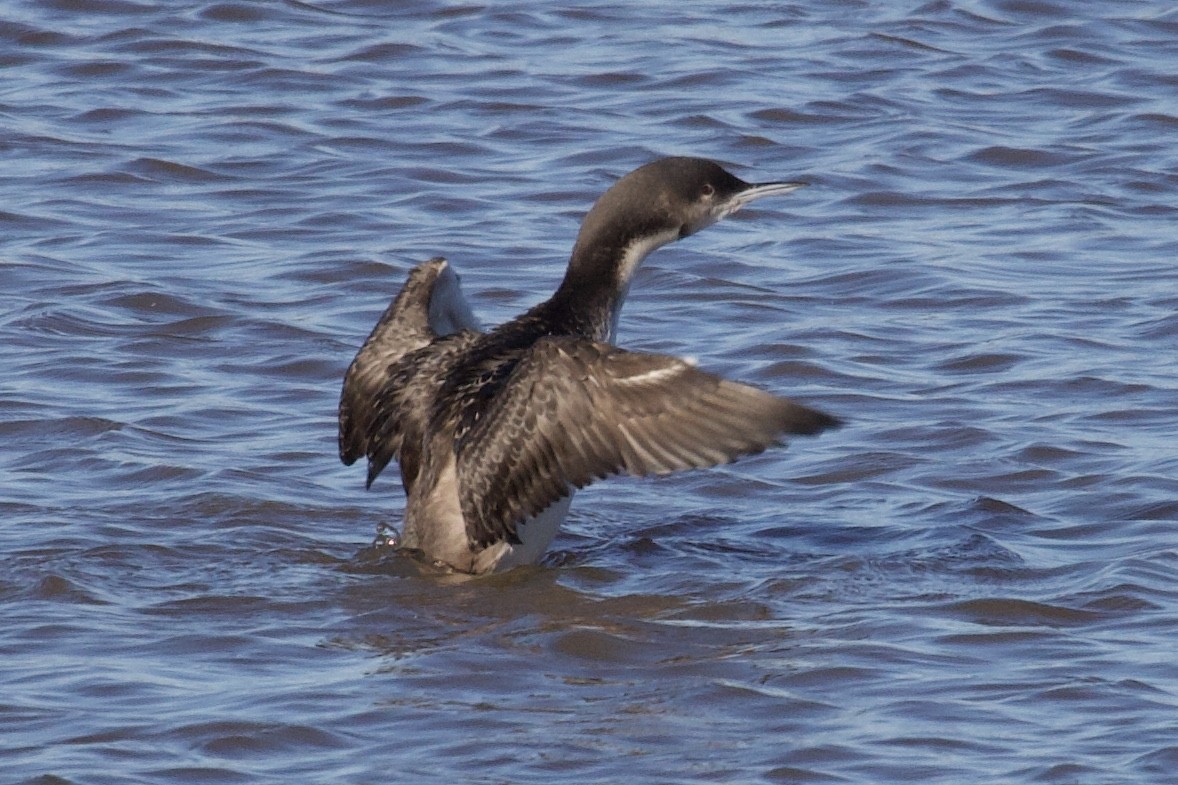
<point>494,431</point>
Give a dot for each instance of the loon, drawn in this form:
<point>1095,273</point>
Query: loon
<point>494,431</point>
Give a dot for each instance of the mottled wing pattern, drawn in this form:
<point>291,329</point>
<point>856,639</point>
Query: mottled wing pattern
<point>402,328</point>
<point>402,411</point>
<point>575,410</point>
<point>391,426</point>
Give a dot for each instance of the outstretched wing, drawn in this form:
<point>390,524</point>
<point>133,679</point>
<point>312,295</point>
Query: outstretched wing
<point>575,410</point>
<point>401,412</point>
<point>429,304</point>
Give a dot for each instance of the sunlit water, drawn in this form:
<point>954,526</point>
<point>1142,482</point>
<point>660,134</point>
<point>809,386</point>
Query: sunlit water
<point>204,207</point>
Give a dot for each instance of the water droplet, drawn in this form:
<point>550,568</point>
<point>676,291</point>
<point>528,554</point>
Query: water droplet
<point>386,536</point>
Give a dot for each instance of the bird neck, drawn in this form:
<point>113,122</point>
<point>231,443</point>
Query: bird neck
<point>599,275</point>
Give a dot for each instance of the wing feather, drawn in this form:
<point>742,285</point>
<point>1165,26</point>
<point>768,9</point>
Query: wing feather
<point>403,328</point>
<point>384,403</point>
<point>401,412</point>
<point>575,410</point>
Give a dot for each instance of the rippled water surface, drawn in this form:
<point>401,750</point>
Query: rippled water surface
<point>204,207</point>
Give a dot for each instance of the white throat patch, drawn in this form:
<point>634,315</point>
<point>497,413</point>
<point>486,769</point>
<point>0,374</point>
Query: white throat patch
<point>631,259</point>
<point>640,249</point>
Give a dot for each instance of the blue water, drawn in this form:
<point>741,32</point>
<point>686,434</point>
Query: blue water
<point>205,206</point>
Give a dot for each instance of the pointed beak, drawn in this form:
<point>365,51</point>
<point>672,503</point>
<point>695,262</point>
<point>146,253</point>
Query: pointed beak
<point>758,190</point>
<point>755,191</point>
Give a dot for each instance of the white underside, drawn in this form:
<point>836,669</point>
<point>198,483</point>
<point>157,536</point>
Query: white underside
<point>435,526</point>
<point>535,535</point>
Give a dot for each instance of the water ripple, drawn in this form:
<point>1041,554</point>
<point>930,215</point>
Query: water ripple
<point>208,204</point>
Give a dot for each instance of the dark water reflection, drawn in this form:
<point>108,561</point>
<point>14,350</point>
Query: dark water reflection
<point>205,206</point>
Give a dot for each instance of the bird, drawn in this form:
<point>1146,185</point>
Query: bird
<point>494,431</point>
